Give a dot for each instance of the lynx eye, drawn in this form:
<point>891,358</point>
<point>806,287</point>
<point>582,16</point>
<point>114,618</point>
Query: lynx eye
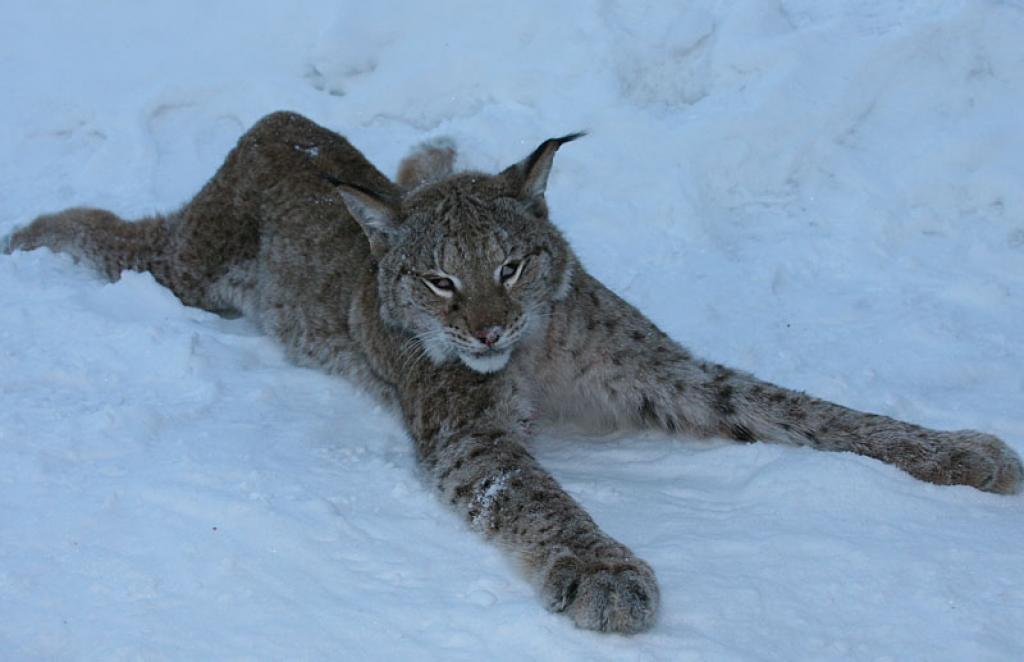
<point>442,283</point>
<point>509,272</point>
<point>442,286</point>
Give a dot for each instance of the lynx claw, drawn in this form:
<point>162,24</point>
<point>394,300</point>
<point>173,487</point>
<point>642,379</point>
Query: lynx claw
<point>615,596</point>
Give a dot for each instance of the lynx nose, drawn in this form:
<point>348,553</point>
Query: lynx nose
<point>489,335</point>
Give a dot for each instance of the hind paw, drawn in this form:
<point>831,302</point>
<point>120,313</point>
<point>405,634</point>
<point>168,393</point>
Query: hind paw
<point>998,465</point>
<point>979,460</point>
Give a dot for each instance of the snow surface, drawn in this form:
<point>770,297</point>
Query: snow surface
<point>826,193</point>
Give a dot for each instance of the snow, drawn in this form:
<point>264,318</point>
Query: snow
<point>827,194</point>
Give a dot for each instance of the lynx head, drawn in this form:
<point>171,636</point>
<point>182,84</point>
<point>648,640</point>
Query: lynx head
<point>470,265</point>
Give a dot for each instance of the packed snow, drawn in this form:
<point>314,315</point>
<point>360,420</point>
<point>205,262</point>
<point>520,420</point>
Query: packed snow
<point>825,193</point>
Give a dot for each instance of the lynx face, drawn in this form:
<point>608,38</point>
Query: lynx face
<point>469,266</point>
<point>471,274</point>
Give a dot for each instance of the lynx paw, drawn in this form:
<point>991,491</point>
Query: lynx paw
<point>16,240</point>
<point>26,238</point>
<point>1005,472</point>
<point>982,461</point>
<point>607,596</point>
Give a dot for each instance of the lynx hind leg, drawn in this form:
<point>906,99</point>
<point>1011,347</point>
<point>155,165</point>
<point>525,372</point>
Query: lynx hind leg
<point>965,457</point>
<point>751,409</point>
<point>96,236</point>
<point>430,161</point>
<point>748,409</point>
<point>653,382</point>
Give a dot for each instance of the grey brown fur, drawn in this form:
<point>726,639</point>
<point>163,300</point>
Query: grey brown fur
<point>453,297</point>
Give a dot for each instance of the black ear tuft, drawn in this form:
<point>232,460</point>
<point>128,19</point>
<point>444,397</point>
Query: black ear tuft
<point>547,150</point>
<point>529,177</point>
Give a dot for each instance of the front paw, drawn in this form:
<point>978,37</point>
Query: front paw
<point>608,596</point>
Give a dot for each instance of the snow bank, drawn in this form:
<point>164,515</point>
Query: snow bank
<point>824,193</point>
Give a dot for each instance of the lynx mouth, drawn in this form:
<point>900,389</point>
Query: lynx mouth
<point>487,361</point>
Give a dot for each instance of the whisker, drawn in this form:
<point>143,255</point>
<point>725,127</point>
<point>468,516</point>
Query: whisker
<point>414,349</point>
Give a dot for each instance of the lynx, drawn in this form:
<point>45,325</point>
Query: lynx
<point>452,296</point>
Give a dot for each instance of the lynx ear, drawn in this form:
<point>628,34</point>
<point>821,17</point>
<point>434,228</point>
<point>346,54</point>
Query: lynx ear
<point>529,177</point>
<point>377,216</point>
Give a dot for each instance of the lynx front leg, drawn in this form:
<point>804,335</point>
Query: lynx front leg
<point>624,364</point>
<point>468,432</point>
